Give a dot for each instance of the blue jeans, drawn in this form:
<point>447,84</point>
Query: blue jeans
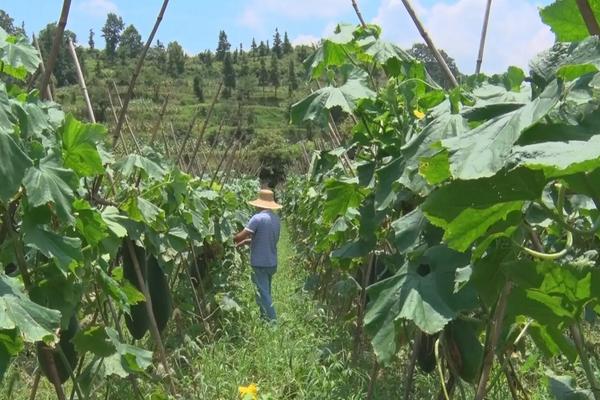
<point>262,278</point>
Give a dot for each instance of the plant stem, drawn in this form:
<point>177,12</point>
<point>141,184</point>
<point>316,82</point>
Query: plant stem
<point>430,44</point>
<point>136,73</point>
<point>56,43</point>
<point>588,17</point>
<point>585,361</point>
<point>36,383</point>
<point>486,19</point>
<point>494,329</point>
<point>410,369</point>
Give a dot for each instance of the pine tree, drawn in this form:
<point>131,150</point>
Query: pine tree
<point>253,47</point>
<point>274,73</point>
<point>222,47</point>
<point>263,75</point>
<point>130,45</point>
<point>198,90</point>
<point>112,33</point>
<point>244,67</point>
<point>64,69</point>
<point>91,39</point>
<point>228,73</point>
<point>235,56</point>
<point>161,56</point>
<point>277,49</point>
<point>262,49</point>
<point>292,79</point>
<point>287,46</point>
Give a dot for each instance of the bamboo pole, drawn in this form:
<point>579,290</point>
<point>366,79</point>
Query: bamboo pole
<point>212,149</point>
<point>486,19</point>
<point>114,112</point>
<point>135,141</point>
<point>42,66</point>
<point>159,121</point>
<point>588,17</point>
<point>81,80</point>
<point>358,13</point>
<point>56,43</point>
<point>174,138</point>
<point>136,73</point>
<point>199,140</point>
<point>429,42</point>
<point>229,145</point>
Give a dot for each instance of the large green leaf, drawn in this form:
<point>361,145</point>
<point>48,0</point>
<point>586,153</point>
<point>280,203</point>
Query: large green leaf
<point>49,183</point>
<point>558,158</point>
<point>11,344</point>
<point>563,387</point>
<point>17,56</point>
<point>64,249</point>
<point>12,167</point>
<point>407,230</point>
<point>317,104</point>
<point>340,197</point>
<point>483,151</point>
<point>545,65</point>
<point>565,20</point>
<point>79,143</point>
<point>128,165</point>
<point>423,292</point>
<point>466,209</point>
<point>34,322</point>
<point>333,52</point>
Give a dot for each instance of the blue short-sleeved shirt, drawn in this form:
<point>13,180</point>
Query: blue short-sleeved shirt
<point>265,227</point>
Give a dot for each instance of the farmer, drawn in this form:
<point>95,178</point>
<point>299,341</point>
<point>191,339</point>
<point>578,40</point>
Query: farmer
<point>262,232</point>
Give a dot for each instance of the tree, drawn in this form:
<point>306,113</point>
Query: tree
<point>91,40</point>
<point>206,57</point>
<point>292,79</point>
<point>228,74</point>
<point>277,45</point>
<point>253,47</point>
<point>130,44</point>
<point>262,49</point>
<point>64,69</point>
<point>302,52</point>
<point>422,53</point>
<point>198,90</point>
<point>274,73</point>
<point>161,56</point>
<point>8,23</point>
<point>263,75</point>
<point>112,33</point>
<point>287,46</point>
<point>222,47</point>
<point>175,58</point>
<point>244,67</point>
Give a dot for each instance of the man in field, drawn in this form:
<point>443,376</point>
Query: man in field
<point>262,233</point>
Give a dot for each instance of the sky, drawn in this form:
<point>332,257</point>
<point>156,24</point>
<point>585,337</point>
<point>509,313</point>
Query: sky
<point>515,31</point>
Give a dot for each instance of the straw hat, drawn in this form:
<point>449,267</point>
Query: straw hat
<point>265,200</point>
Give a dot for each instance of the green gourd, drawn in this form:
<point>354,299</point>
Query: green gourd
<point>158,286</point>
<point>68,348</point>
<point>137,323</point>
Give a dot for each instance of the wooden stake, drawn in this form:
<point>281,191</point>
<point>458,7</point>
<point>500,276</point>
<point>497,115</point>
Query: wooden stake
<point>212,149</point>
<point>135,141</point>
<point>42,66</point>
<point>81,80</point>
<point>429,42</point>
<point>114,111</point>
<point>159,121</point>
<point>358,14</point>
<point>588,17</point>
<point>486,19</point>
<point>199,140</point>
<point>36,383</point>
<point>56,43</point>
<point>136,73</point>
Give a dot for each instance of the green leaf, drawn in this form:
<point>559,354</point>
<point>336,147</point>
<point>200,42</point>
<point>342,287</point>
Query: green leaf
<point>565,20</point>
<point>11,344</point>
<point>13,166</point>
<point>17,56</point>
<point>79,143</point>
<point>89,222</point>
<point>423,292</point>
<point>483,151</point>
<point>466,209</point>
<point>563,387</point>
<point>558,158</point>
<point>66,250</point>
<point>50,183</point>
<point>570,72</point>
<point>514,78</point>
<point>113,218</point>
<point>407,230</point>
<point>94,340</point>
<point>128,165</point>
<point>340,197</point>
<point>315,105</point>
<point>544,67</point>
<point>34,322</point>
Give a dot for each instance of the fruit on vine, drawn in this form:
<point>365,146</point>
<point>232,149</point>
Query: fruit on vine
<point>426,352</point>
<point>137,323</point>
<point>463,336</point>
<point>68,349</point>
<point>158,286</point>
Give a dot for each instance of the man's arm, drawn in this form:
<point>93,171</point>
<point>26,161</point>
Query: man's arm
<point>242,237</point>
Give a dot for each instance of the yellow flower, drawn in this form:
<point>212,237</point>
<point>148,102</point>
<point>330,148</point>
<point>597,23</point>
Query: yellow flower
<point>418,114</point>
<point>249,392</point>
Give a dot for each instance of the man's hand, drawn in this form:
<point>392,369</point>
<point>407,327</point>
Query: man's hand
<point>242,238</point>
